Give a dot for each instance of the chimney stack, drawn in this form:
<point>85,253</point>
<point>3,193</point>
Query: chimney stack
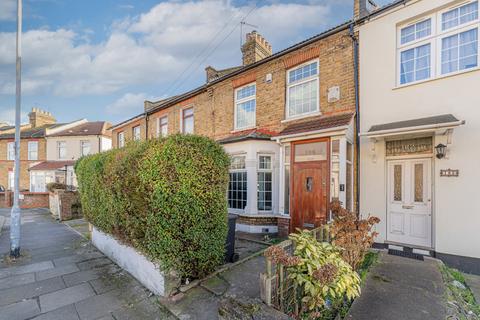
<point>38,118</point>
<point>361,8</point>
<point>255,48</point>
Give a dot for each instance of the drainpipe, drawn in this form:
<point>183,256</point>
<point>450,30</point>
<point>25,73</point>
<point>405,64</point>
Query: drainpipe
<point>357,115</point>
<point>146,126</point>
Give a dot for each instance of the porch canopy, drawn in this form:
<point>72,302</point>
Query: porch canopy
<point>52,165</point>
<point>434,124</point>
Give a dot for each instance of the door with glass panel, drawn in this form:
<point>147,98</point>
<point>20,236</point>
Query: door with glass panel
<point>409,219</point>
<point>309,184</point>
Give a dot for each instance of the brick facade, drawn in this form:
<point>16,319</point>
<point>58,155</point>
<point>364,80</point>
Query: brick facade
<point>25,164</point>
<point>214,106</point>
<point>30,200</point>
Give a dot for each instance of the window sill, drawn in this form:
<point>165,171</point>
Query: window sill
<point>449,75</point>
<point>317,113</point>
<point>243,129</point>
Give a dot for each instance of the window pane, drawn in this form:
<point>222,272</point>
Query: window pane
<point>246,114</point>
<point>408,34</point>
<point>188,125</point>
<point>459,16</point>
<point>303,72</point>
<point>286,209</point>
<point>460,51</point>
<point>418,182</point>
<point>450,19</point>
<point>265,162</point>
<point>246,92</point>
<point>311,151</point>
<point>415,64</point>
<point>237,162</point>
<point>417,31</point>
<point>468,12</point>
<point>397,182</point>
<point>349,188</point>
<point>237,190</point>
<point>335,184</point>
<point>264,191</point>
<point>303,98</point>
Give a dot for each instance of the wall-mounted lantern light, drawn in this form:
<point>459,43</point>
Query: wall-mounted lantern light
<point>440,150</point>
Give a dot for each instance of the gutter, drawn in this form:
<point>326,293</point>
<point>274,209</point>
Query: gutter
<point>398,131</point>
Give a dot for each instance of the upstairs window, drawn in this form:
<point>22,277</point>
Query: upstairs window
<point>136,133</point>
<point>187,121</point>
<point>415,64</point>
<point>237,187</point>
<point>11,151</point>
<point>162,126</point>
<point>62,150</point>
<point>460,15</point>
<point>121,139</point>
<point>302,90</point>
<point>416,31</point>
<point>84,148</point>
<point>245,105</point>
<point>460,51</point>
<point>33,150</point>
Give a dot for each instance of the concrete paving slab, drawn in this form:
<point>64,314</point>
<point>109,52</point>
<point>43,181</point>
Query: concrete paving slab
<point>63,313</point>
<point>56,272</point>
<point>94,263</point>
<point>198,304</point>
<point>20,311</point>
<point>473,282</point>
<point>60,298</point>
<point>148,309</point>
<point>216,285</point>
<point>75,278</point>
<point>401,289</point>
<point>30,290</point>
<point>99,305</point>
<point>15,281</point>
<point>244,279</point>
<point>34,267</point>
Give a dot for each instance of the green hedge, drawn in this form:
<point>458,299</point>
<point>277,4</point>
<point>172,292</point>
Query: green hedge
<point>165,197</point>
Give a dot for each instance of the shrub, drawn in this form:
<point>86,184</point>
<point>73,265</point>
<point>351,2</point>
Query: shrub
<point>55,185</point>
<point>165,197</point>
<point>353,234</point>
<point>318,269</point>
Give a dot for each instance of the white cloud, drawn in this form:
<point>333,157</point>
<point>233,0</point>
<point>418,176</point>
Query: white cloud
<point>151,49</point>
<point>7,115</point>
<point>128,103</point>
<point>8,10</point>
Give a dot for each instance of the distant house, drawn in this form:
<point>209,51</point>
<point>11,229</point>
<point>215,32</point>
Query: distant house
<point>65,145</point>
<point>48,149</point>
<point>420,124</point>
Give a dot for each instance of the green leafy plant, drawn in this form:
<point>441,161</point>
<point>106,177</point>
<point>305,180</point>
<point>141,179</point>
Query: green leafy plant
<point>165,197</point>
<point>354,235</point>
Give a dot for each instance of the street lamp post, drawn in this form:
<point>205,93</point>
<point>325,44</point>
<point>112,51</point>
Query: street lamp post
<point>15,214</point>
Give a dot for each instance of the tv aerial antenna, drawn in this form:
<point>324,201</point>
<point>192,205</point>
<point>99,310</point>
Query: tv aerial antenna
<point>242,24</point>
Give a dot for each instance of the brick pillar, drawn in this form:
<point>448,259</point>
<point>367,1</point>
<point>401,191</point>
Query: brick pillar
<point>283,227</point>
<point>8,198</point>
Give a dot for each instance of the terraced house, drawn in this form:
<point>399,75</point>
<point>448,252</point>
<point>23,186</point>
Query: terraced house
<point>286,119</point>
<point>419,80</point>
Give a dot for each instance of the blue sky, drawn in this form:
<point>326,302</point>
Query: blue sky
<point>100,59</point>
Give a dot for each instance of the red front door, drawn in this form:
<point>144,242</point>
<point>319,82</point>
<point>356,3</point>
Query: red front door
<point>310,184</point>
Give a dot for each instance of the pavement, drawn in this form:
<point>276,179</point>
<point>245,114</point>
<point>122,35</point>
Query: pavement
<point>401,289</point>
<point>62,276</point>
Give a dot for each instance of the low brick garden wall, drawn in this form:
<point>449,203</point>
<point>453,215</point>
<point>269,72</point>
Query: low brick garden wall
<point>28,200</point>
<point>65,205</point>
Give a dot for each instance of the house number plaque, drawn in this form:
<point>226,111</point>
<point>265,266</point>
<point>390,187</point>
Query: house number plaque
<point>449,173</point>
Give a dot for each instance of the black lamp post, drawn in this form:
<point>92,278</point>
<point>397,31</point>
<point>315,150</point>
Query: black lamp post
<point>441,149</point>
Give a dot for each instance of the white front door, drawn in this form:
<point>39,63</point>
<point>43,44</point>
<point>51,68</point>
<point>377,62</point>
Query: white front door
<point>409,202</point>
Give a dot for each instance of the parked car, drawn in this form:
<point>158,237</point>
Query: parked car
<point>2,188</point>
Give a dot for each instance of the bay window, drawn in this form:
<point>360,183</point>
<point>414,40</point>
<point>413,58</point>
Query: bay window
<point>245,105</point>
<point>237,187</point>
<point>303,90</point>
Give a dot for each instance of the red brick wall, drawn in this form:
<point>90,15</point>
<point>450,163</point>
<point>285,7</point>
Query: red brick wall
<point>67,200</point>
<point>30,200</point>
<point>283,227</point>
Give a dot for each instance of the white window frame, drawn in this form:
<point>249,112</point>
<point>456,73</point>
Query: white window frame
<point>290,85</point>
<point>11,180</point>
<point>159,125</point>
<point>11,151</point>
<point>134,133</point>
<point>237,102</point>
<point>121,139</point>
<point>82,143</point>
<point>58,150</point>
<point>242,170</point>
<point>435,40</point>
<point>182,125</point>
<point>32,152</point>
<point>271,171</point>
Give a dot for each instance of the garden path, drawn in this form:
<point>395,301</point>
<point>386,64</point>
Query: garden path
<point>401,289</point>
